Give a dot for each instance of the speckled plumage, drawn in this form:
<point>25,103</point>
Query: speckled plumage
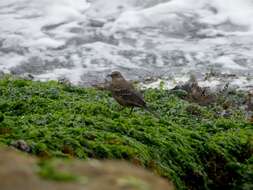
<point>124,93</point>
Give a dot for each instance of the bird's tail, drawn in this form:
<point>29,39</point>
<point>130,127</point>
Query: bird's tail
<point>152,112</point>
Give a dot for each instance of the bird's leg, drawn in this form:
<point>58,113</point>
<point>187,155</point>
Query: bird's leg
<point>121,108</point>
<point>132,108</point>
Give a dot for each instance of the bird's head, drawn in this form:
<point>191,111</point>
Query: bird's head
<point>116,75</point>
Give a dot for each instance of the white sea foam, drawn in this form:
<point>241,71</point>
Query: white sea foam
<point>28,18</point>
<point>52,39</point>
<point>212,12</point>
<point>228,62</point>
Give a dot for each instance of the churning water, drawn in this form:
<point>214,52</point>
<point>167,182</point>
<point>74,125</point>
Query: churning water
<point>83,41</point>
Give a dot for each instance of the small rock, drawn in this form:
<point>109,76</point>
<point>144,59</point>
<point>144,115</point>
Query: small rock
<point>21,145</point>
<point>225,113</point>
<point>28,76</point>
<point>64,81</point>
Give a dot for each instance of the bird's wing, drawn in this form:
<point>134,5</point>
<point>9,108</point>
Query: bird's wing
<point>130,96</point>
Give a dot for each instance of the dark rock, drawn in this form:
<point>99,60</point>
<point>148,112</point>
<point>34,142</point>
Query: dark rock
<point>195,93</point>
<point>21,145</point>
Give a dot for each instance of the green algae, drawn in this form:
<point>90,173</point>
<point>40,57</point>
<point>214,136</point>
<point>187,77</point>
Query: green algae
<point>133,182</point>
<point>48,170</point>
<point>194,146</point>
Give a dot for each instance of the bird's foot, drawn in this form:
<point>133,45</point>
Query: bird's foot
<point>121,108</point>
<point>132,108</point>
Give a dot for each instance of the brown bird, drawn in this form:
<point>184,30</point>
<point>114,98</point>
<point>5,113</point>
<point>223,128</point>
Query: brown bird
<point>125,93</point>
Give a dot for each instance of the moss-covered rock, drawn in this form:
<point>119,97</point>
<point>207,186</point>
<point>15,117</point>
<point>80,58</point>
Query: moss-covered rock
<point>196,147</point>
<point>23,172</point>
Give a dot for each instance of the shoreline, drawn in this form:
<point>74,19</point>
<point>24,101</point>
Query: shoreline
<point>202,140</point>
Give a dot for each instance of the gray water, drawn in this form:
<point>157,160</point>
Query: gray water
<point>146,40</point>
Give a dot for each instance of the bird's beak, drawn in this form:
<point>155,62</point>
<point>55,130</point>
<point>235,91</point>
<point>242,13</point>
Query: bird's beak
<point>109,75</point>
